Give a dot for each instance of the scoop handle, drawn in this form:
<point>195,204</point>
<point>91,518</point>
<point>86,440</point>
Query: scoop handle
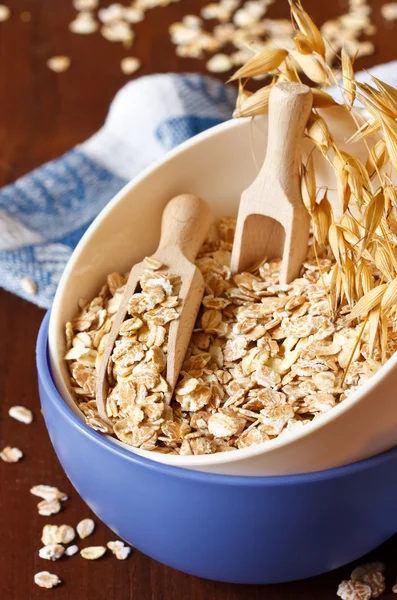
<point>290,104</point>
<point>185,224</point>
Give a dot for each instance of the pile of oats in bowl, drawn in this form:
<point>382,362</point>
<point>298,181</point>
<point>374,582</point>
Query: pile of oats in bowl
<point>264,359</point>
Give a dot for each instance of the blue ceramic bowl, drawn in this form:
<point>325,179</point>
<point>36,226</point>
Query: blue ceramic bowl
<point>234,529</point>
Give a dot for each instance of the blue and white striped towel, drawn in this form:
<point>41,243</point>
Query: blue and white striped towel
<point>44,214</point>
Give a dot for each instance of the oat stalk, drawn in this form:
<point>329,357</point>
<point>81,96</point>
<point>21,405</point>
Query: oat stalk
<point>361,236</point>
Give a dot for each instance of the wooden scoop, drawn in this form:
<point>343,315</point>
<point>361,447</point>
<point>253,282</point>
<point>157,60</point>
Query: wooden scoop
<point>184,227</point>
<point>272,219</point>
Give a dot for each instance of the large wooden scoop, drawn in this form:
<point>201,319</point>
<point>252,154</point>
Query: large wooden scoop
<point>272,220</point>
<point>185,224</point>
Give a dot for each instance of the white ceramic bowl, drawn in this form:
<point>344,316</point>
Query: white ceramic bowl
<point>218,165</point>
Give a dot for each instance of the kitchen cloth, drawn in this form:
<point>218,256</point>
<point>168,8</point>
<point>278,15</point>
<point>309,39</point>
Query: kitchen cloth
<point>44,214</point>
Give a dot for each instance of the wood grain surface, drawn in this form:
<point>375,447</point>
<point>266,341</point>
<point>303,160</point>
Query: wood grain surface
<point>41,116</point>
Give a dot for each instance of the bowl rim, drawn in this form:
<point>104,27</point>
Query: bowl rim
<point>52,393</point>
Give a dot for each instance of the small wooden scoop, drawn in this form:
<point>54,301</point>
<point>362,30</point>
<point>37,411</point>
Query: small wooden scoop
<point>272,220</point>
<point>184,227</point>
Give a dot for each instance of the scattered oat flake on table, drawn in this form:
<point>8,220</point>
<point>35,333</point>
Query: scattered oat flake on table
<point>65,534</point>
<point>132,14</point>
<point>49,535</point>
<point>119,549</point>
<point>219,63</point>
<point>354,590</point>
<point>52,552</point>
<point>5,13</point>
<point>27,284</point>
<point>114,12</point>
<point>371,574</point>
<point>11,455</point>
<point>130,64</point>
<point>49,507</point>
<point>48,492</point>
<point>84,24</point>
<point>389,11</point>
<point>367,569</point>
<point>22,414</point>
<point>58,64</point>
<point>376,582</point>
<point>85,528</point>
<point>47,580</point>
<point>83,5</point>
<point>93,552</point>
<point>71,550</point>
<point>25,16</point>
<point>118,31</point>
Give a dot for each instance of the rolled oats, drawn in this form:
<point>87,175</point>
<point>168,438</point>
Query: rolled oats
<point>219,63</point>
<point>66,534</point>
<point>354,590</point>
<point>372,575</point>
<point>47,580</point>
<point>85,528</point>
<point>22,414</point>
<point>52,552</point>
<point>5,13</point>
<point>49,535</point>
<point>48,492</point>
<point>11,455</point>
<point>84,24</point>
<point>93,552</point>
<point>58,64</point>
<point>71,550</point>
<point>54,534</point>
<point>25,16</point>
<point>264,359</point>
<point>119,549</point>
<point>130,65</point>
<point>118,31</point>
<point>82,5</point>
<point>27,284</point>
<point>389,11</point>
<point>49,507</point>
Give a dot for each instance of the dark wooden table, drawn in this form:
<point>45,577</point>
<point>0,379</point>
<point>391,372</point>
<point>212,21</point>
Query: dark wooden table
<point>42,115</point>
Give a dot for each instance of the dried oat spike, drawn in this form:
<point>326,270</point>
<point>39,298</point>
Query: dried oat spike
<point>272,220</point>
<point>185,224</point>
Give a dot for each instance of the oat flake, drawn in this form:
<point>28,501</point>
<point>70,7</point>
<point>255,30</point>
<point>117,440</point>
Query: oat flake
<point>130,65</point>
<point>5,13</point>
<point>85,528</point>
<point>49,507</point>
<point>219,63</point>
<point>119,549</point>
<point>11,455</point>
<point>27,284</point>
<point>93,552</point>
<point>22,414</point>
<point>48,492</point>
<point>58,64</point>
<point>71,550</point>
<point>82,5</point>
<point>49,535</point>
<point>84,24</point>
<point>47,580</point>
<point>52,552</point>
<point>389,11</point>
